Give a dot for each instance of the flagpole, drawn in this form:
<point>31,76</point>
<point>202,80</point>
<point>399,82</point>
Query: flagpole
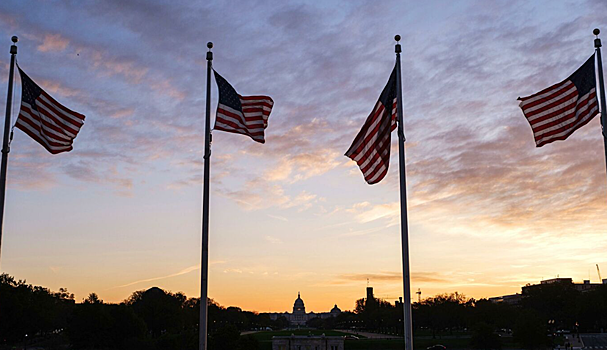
<point>404,227</point>
<point>204,264</point>
<point>597,46</point>
<point>5,141</point>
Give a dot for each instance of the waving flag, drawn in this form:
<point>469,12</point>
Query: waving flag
<point>45,120</point>
<point>556,112</point>
<point>247,115</point>
<point>371,147</point>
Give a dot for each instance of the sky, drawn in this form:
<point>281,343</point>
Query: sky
<point>488,211</point>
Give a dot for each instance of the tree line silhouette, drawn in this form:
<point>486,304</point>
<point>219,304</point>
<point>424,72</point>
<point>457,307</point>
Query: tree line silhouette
<point>157,319</point>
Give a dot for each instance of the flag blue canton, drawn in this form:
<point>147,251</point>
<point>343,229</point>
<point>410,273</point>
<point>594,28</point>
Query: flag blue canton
<point>227,95</point>
<point>388,94</point>
<point>30,91</point>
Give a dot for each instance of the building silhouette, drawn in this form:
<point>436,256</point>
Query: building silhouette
<point>299,316</point>
<point>514,299</point>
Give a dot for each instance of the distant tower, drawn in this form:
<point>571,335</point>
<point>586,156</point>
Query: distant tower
<point>370,296</point>
<point>419,295</point>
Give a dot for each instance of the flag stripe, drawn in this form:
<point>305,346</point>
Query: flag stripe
<point>35,134</point>
<point>251,122</point>
<point>50,118</point>
<point>563,118</point>
<point>52,104</point>
<point>227,115</point>
<point>371,147</point>
<point>62,107</point>
<point>556,104</point>
<point>35,125</point>
<point>26,112</point>
<point>583,117</point>
<point>546,94</point>
<point>246,115</point>
<point>45,120</point>
<point>557,111</point>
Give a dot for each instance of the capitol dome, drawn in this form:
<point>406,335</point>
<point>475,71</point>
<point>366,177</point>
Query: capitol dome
<point>298,306</point>
<point>335,310</point>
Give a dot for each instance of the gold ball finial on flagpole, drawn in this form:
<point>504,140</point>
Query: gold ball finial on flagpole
<point>210,45</point>
<point>596,31</point>
<point>14,39</point>
<point>397,37</point>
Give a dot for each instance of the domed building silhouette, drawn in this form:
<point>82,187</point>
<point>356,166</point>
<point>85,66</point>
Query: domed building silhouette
<point>299,317</point>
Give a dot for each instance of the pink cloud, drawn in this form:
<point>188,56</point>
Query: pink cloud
<point>53,43</point>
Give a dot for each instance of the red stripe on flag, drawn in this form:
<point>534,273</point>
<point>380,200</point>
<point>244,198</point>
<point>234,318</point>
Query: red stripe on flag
<point>252,122</point>
<point>62,107</point>
<point>563,112</point>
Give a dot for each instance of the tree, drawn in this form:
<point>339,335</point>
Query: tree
<point>530,330</point>
<point>444,311</point>
<point>484,337</point>
<point>31,310</point>
<point>90,325</point>
<point>224,338</point>
<point>555,301</point>
<point>161,311</point>
<point>280,323</point>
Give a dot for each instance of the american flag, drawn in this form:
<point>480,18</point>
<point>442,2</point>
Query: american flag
<point>45,120</point>
<point>556,112</point>
<point>247,115</point>
<point>371,147</point>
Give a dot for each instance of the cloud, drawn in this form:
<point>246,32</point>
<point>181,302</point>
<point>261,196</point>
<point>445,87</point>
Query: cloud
<point>416,277</point>
<point>181,272</point>
<point>56,87</point>
<point>53,42</point>
<point>277,217</point>
<point>257,195</point>
<point>122,113</point>
<point>472,168</point>
<point>366,212</point>
<point>273,240</point>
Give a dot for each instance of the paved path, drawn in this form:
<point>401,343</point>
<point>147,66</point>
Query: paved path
<point>370,335</point>
<point>594,341</point>
<point>248,332</point>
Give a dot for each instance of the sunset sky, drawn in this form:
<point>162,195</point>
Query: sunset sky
<point>488,211</point>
